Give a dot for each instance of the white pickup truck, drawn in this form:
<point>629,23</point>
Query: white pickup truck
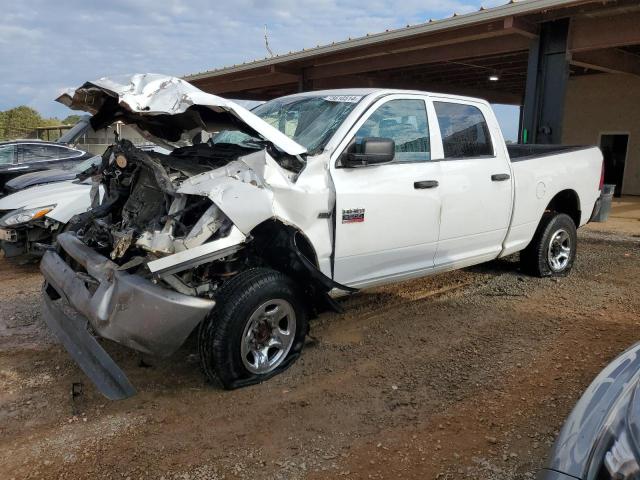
<point>248,234</point>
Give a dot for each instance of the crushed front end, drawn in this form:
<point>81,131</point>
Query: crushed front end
<point>113,304</point>
<point>166,233</point>
<point>104,267</point>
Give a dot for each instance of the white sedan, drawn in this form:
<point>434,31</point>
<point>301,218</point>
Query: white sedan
<point>31,219</point>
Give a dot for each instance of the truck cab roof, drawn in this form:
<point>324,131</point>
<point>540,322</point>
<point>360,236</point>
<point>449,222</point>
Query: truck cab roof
<point>379,92</point>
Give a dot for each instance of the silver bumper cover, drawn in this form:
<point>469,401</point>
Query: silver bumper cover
<point>119,306</point>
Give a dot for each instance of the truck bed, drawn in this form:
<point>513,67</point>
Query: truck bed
<point>522,151</point>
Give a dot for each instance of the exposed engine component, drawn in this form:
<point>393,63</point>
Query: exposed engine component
<point>142,217</point>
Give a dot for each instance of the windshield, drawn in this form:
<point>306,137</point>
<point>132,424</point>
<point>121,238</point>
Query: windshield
<point>310,121</point>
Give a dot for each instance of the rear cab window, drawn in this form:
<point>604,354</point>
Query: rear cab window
<point>464,129</point>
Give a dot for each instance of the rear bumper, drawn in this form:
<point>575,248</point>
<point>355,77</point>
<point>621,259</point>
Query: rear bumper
<point>119,306</point>
<point>596,210</point>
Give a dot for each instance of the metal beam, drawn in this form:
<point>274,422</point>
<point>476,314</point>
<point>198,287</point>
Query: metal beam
<point>496,28</point>
<point>592,33</point>
<point>489,94</point>
<point>285,69</point>
<point>521,26</point>
<point>459,51</point>
<point>224,86</point>
<point>610,60</point>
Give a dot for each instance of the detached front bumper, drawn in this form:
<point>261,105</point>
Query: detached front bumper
<point>119,306</point>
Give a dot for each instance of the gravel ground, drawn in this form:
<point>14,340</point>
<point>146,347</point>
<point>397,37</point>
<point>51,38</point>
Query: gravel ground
<point>467,374</point>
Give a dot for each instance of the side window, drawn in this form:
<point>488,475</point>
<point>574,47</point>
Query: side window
<point>7,154</point>
<point>465,133</point>
<point>32,152</point>
<point>403,121</point>
<point>60,153</point>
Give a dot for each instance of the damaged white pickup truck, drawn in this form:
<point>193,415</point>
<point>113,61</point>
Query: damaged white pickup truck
<point>248,234</point>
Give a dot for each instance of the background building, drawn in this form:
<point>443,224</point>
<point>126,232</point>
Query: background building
<point>572,66</point>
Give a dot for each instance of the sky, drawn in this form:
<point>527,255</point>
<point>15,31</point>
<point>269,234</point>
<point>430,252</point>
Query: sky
<point>46,47</point>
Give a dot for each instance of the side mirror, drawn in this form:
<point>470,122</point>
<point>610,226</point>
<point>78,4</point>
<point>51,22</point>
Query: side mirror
<point>371,151</point>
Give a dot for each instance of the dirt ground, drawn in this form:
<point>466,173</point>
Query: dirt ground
<point>467,374</point>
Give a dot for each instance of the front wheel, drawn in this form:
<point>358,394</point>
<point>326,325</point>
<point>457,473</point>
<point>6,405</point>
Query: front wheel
<point>552,250</point>
<point>255,331</point>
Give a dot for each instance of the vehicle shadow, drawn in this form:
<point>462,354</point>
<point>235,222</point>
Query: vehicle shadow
<point>182,371</point>
<point>507,265</point>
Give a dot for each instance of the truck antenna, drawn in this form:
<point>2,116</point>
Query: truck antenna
<point>266,41</point>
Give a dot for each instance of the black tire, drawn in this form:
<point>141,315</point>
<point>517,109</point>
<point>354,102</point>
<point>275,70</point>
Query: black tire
<point>220,337</point>
<point>539,259</point>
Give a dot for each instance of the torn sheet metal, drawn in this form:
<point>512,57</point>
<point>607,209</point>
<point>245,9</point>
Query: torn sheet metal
<point>137,98</point>
<point>255,188</point>
<point>206,252</point>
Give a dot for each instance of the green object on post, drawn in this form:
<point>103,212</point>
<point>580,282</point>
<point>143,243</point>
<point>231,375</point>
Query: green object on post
<point>525,135</point>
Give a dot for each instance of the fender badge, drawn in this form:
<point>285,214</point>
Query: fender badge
<point>353,215</point>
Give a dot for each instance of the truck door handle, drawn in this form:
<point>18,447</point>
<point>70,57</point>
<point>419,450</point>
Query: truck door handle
<point>500,177</point>
<point>425,184</point>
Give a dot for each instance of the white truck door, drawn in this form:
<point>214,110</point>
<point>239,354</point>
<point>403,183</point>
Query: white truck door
<point>476,187</point>
<point>387,215</point>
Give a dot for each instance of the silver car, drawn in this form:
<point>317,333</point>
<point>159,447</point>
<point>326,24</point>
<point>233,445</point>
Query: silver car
<point>600,439</point>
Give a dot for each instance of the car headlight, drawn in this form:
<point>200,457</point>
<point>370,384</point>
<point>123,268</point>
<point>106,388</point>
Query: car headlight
<point>616,455</point>
<point>620,461</point>
<point>24,215</point>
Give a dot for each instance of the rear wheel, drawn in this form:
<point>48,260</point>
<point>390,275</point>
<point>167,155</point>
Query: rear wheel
<point>552,250</point>
<point>256,330</point>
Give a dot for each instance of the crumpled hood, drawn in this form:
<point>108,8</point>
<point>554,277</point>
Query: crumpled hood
<point>168,109</point>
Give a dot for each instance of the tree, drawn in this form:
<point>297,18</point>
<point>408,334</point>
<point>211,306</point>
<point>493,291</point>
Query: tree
<point>71,120</point>
<point>22,121</point>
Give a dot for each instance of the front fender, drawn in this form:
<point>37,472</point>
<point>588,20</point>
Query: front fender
<point>255,189</point>
<point>238,191</point>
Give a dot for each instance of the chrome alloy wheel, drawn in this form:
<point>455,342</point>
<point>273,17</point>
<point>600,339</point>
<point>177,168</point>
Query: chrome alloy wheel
<point>559,251</point>
<point>268,336</point>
